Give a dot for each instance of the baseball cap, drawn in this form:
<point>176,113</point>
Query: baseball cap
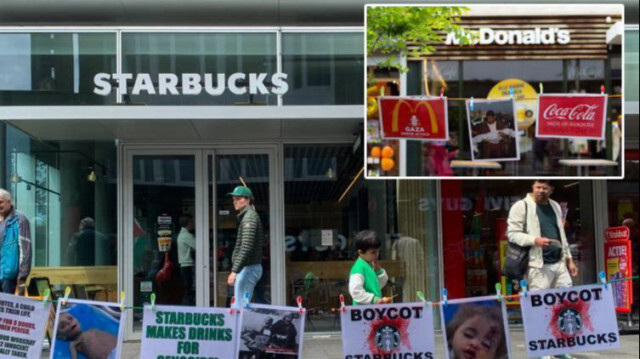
<point>241,191</point>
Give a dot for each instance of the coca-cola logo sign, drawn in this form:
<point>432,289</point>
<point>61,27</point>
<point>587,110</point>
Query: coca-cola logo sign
<point>571,116</point>
<point>616,233</point>
<point>580,112</point>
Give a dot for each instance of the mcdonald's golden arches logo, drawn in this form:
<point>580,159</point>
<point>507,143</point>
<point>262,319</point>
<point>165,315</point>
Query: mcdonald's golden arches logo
<point>414,111</point>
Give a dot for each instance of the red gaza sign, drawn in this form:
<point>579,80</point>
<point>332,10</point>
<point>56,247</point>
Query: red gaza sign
<point>414,118</point>
<point>571,116</point>
<point>616,233</point>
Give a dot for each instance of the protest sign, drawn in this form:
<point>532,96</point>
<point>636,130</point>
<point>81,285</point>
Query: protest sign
<point>569,320</point>
<point>88,329</point>
<point>403,330</point>
<point>271,331</point>
<point>493,129</point>
<point>170,332</point>
<point>571,116</point>
<point>617,251</point>
<point>23,323</point>
<point>418,118</point>
<point>470,321</point>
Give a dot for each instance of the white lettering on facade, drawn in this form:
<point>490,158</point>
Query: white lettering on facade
<point>191,84</point>
<point>537,36</point>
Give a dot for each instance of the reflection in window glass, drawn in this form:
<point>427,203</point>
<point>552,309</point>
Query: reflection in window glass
<point>67,190</point>
<point>164,231</point>
<point>54,68</point>
<point>624,210</point>
<point>631,65</point>
<point>319,237</point>
<point>206,53</point>
<point>323,68</point>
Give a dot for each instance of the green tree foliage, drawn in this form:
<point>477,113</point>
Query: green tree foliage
<point>394,31</point>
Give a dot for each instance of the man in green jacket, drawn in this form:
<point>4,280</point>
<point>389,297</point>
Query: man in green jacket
<point>246,267</point>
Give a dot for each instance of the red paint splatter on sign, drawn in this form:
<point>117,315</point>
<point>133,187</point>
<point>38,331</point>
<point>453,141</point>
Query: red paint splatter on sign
<point>580,307</point>
<point>400,324</point>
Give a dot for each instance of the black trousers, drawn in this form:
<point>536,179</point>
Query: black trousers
<point>189,295</point>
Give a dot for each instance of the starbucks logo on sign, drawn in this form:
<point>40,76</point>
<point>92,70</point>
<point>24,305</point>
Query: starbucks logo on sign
<point>570,321</point>
<point>387,338</point>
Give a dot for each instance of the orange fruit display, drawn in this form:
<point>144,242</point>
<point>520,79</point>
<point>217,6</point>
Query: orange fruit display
<point>387,152</point>
<point>387,164</point>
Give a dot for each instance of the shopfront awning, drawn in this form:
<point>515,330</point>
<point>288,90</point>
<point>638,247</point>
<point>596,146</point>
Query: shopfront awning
<point>246,130</point>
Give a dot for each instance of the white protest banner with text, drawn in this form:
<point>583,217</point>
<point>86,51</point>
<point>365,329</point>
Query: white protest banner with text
<point>569,320</point>
<point>23,323</point>
<point>189,332</point>
<point>402,330</point>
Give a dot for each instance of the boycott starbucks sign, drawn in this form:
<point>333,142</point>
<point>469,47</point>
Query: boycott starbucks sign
<point>388,331</point>
<point>173,332</point>
<point>569,320</point>
<point>23,322</point>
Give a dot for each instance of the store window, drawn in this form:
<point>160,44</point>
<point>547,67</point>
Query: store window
<point>326,204</point>
<point>67,190</point>
<point>323,68</point>
<point>624,209</point>
<point>200,53</point>
<point>50,69</point>
<point>475,221</point>
<point>481,79</point>
<point>631,66</point>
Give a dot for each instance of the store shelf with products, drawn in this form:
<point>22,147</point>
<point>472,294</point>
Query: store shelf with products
<point>475,266</point>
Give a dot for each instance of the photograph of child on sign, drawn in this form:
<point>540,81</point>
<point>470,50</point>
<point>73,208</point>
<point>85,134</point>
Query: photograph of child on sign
<point>271,333</point>
<point>476,328</point>
<point>87,330</point>
<point>494,134</point>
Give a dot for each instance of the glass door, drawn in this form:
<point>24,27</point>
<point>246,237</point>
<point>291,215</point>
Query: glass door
<point>163,221</point>
<point>230,170</point>
<point>179,225</point>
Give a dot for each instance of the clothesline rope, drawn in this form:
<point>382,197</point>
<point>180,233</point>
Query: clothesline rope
<point>514,296</point>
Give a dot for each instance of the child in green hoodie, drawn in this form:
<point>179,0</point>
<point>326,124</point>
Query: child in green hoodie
<point>367,278</point>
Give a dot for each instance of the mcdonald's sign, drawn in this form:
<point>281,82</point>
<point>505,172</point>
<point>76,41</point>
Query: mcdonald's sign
<point>417,118</point>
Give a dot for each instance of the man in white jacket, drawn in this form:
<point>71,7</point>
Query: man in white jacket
<point>537,222</point>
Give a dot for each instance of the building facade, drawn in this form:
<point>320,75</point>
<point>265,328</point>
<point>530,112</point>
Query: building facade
<point>198,106</point>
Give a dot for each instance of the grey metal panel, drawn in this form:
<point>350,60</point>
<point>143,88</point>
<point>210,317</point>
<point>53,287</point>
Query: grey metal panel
<point>217,12</point>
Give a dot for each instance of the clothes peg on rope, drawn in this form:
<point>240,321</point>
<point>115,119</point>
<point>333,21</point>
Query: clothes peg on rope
<point>153,301</point>
<point>602,90</point>
<point>541,88</point>
<point>444,296</point>
<point>47,295</point>
<point>343,308</point>
<point>247,299</point>
<point>441,92</point>
<point>299,301</point>
<point>603,279</point>
<point>67,292</point>
<point>471,103</point>
<point>422,298</point>
<point>231,307</point>
<point>523,285</point>
<point>498,292</point>
<point>122,299</point>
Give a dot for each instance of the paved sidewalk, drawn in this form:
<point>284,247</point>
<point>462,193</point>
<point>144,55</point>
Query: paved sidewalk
<point>329,346</point>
